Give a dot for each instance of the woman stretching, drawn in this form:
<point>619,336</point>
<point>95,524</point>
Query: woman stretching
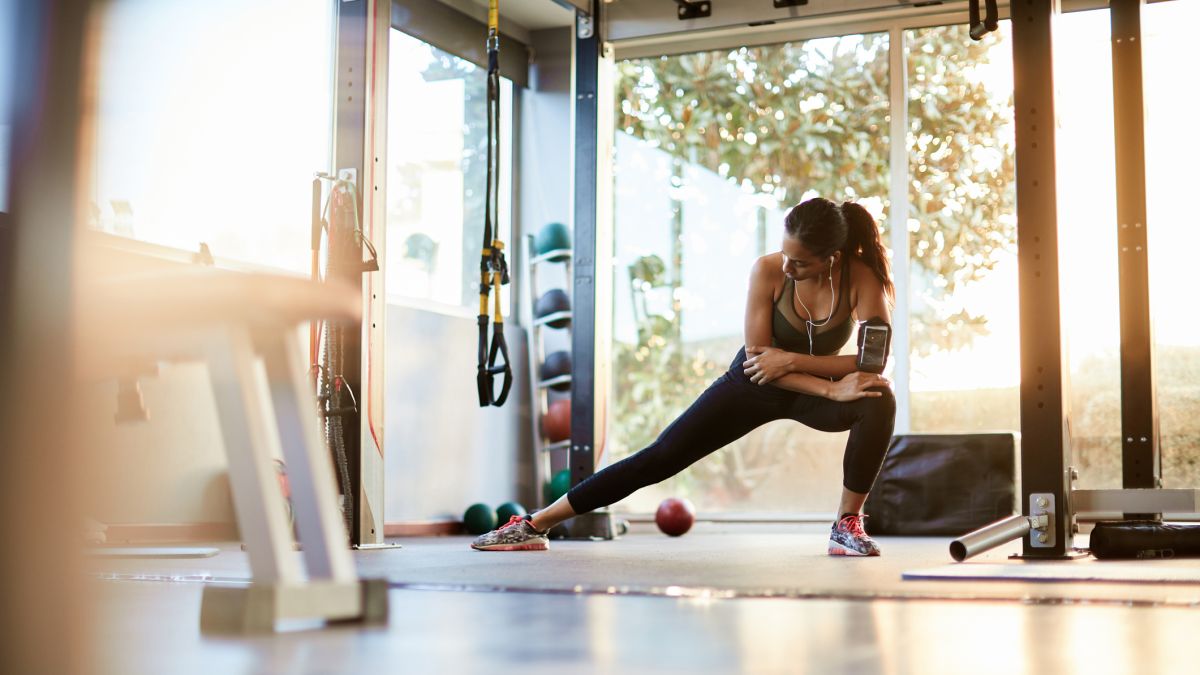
<point>801,310</point>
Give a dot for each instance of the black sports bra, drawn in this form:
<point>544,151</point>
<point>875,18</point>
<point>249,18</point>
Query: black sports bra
<point>790,332</point>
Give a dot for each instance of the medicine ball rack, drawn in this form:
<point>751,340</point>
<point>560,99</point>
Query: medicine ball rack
<point>543,449</point>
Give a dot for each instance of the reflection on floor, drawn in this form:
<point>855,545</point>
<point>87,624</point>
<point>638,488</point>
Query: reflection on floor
<point>639,604</point>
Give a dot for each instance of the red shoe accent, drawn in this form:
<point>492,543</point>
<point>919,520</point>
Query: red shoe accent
<point>853,524</point>
<point>512,520</point>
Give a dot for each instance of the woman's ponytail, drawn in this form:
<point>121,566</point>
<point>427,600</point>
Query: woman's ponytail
<point>862,240</point>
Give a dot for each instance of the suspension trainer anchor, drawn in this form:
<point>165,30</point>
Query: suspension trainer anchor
<point>492,357</point>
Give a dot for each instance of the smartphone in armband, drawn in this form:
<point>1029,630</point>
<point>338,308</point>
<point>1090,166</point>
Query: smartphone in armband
<point>873,340</point>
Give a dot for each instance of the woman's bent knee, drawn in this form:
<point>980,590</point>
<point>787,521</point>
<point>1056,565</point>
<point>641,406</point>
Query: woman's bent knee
<point>882,406</point>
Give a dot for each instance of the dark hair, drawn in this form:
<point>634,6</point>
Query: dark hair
<point>824,227</point>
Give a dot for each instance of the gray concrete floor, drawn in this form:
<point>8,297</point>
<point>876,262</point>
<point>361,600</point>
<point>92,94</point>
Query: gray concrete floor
<point>772,602</point>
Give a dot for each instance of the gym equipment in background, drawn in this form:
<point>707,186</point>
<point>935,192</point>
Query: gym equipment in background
<point>493,268</point>
<point>555,372</point>
<point>675,516</point>
<point>556,422</point>
<point>558,486</point>
<point>553,308</point>
<point>479,519</point>
<point>990,21</point>
<point>1051,504</point>
<point>1144,539</point>
<point>508,510</point>
<point>553,243</point>
<point>943,484</point>
<point>549,260</point>
<point>330,340</point>
<point>244,328</point>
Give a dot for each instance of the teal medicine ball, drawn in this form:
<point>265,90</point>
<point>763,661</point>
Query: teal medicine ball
<point>558,485</point>
<point>507,510</point>
<point>553,237</point>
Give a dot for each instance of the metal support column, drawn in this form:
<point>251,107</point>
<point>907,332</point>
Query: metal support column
<point>1141,467</point>
<point>586,64</point>
<point>356,93</point>
<point>47,51</point>
<point>897,219</point>
<point>1045,445</point>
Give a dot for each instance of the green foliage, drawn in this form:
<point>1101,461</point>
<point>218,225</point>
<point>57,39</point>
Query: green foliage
<point>781,119</point>
<point>786,120</point>
<point>961,172</point>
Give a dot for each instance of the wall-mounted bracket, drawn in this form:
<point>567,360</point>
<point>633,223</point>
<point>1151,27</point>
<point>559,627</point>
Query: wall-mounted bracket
<point>695,10</point>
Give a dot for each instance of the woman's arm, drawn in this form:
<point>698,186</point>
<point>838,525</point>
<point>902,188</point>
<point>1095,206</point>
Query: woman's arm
<point>759,301</point>
<point>850,387</point>
<point>799,372</point>
<point>767,364</point>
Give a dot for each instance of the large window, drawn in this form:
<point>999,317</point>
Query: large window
<point>1087,242</point>
<point>711,150</point>
<point>212,117</point>
<point>437,150</point>
<point>965,366</point>
<point>1172,149</point>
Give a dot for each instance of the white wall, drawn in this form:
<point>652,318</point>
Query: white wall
<point>171,469</point>
<point>443,452</point>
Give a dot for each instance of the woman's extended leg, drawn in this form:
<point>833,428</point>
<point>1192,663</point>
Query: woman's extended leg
<point>729,409</point>
<point>725,412</point>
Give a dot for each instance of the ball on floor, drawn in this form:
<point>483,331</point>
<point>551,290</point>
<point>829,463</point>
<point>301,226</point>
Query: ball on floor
<point>507,510</point>
<point>479,519</point>
<point>675,516</point>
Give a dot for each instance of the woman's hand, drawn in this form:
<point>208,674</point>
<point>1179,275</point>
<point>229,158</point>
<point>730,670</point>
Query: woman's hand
<point>855,385</point>
<point>766,364</point>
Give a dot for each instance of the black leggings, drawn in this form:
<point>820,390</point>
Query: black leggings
<point>732,407</point>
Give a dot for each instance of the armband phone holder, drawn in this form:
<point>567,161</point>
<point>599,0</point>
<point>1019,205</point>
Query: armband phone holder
<point>874,343</point>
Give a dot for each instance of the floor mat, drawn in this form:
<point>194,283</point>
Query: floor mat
<point>1067,570</point>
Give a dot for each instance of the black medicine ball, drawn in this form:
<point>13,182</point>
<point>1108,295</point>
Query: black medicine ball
<point>557,364</point>
<point>553,302</point>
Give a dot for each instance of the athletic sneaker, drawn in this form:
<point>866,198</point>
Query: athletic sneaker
<point>849,538</point>
<point>515,535</point>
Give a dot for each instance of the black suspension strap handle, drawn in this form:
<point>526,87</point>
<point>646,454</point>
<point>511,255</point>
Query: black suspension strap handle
<point>989,23</point>
<point>493,268</point>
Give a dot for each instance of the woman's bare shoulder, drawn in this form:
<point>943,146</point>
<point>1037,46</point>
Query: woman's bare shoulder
<point>767,273</point>
<point>863,284</point>
<point>768,266</point>
<point>861,275</point>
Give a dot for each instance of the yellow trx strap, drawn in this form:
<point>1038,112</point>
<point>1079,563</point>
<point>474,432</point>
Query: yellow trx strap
<point>493,268</point>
